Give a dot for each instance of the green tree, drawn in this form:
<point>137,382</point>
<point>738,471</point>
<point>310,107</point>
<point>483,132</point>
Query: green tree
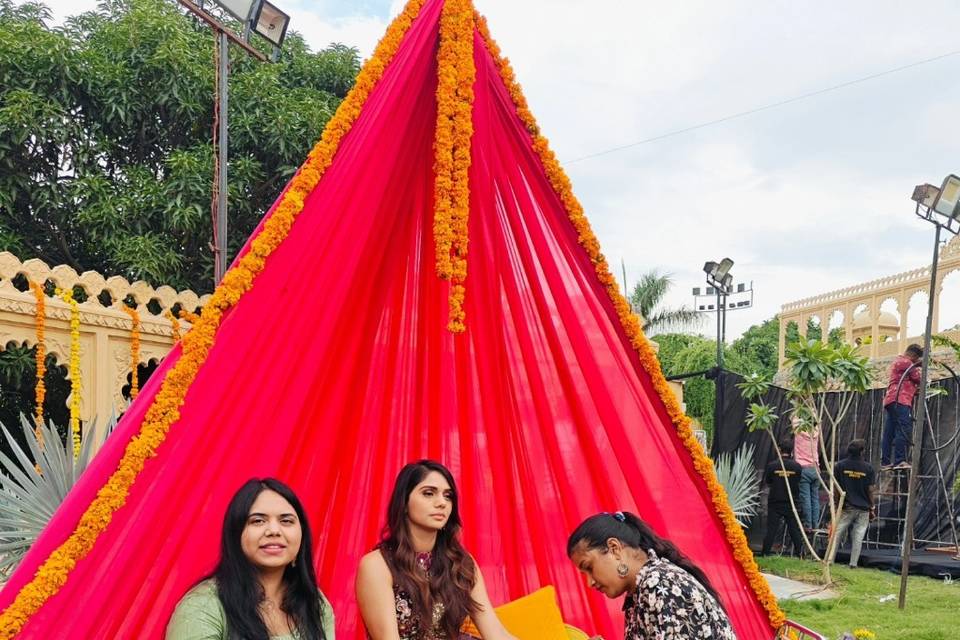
<point>106,159</point>
<point>759,347</point>
<point>647,300</point>
<point>814,368</point>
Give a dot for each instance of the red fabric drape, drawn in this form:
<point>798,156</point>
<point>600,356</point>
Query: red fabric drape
<point>336,369</point>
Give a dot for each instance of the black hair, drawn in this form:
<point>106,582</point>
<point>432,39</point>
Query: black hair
<point>786,446</point>
<point>238,586</point>
<point>636,534</point>
<point>915,349</point>
<point>856,447</point>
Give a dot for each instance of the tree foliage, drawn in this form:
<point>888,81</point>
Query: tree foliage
<point>647,300</point>
<point>106,159</point>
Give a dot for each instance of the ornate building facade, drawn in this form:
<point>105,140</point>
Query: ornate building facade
<point>875,314</point>
<point>105,329</point>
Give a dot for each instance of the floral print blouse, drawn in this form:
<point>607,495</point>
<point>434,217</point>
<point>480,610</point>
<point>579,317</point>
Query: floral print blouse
<point>670,604</point>
<point>409,624</point>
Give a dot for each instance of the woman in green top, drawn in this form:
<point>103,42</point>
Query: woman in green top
<point>264,587</point>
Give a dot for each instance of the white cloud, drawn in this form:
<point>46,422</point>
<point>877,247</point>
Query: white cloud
<point>806,197</point>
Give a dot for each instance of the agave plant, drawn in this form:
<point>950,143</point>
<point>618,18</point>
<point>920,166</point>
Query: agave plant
<point>33,486</point>
<point>739,478</point>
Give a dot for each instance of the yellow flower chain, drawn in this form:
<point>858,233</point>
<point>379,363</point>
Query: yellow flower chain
<point>631,325</point>
<point>76,385</point>
<point>40,392</point>
<point>134,350</point>
<point>165,409</point>
<point>174,324</point>
<point>189,316</point>
<point>455,77</point>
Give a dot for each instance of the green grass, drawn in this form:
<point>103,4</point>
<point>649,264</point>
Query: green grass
<point>932,611</point>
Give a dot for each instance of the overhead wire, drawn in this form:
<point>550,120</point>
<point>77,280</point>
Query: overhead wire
<point>765,107</point>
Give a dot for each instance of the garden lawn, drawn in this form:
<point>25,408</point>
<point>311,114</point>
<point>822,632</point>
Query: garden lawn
<point>932,611</point>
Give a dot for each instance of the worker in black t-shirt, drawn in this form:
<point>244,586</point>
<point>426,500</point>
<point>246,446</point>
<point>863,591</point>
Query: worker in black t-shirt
<point>858,482</point>
<point>779,509</point>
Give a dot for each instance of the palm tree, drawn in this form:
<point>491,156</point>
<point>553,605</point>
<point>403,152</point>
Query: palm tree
<point>646,300</point>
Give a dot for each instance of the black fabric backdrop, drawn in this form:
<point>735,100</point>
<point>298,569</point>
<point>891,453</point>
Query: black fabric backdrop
<point>864,420</point>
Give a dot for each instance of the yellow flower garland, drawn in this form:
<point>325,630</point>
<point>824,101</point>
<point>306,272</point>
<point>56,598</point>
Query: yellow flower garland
<point>40,391</point>
<point>631,325</point>
<point>134,350</point>
<point>164,411</point>
<point>76,385</point>
<point>455,77</point>
<point>174,324</point>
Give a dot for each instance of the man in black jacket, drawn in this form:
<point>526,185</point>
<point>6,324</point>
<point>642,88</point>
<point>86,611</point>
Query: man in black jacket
<point>858,482</point>
<point>779,510</point>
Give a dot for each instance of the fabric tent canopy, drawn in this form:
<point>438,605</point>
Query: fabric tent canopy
<point>324,359</point>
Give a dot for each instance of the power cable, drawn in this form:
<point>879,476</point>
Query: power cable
<point>773,105</point>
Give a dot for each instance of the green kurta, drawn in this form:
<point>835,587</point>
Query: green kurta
<point>200,616</point>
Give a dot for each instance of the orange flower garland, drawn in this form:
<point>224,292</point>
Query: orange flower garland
<point>455,77</point>
<point>174,324</point>
<point>76,386</point>
<point>40,391</point>
<point>189,316</point>
<point>631,325</point>
<point>134,350</point>
<point>164,411</point>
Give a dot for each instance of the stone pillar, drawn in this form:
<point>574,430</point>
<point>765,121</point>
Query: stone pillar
<point>873,309</point>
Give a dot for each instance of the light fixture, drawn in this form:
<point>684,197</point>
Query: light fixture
<point>710,268</point>
<point>947,202</point>
<point>242,10</point>
<point>271,23</point>
<point>723,269</point>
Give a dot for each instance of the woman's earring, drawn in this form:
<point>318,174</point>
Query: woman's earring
<point>294,563</point>
<point>622,570</point>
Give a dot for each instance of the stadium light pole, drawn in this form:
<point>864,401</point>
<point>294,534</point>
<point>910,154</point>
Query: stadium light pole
<point>940,207</point>
<point>269,22</point>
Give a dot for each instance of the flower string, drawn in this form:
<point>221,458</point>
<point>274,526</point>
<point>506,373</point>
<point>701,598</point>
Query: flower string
<point>165,408</point>
<point>631,326</point>
<point>134,350</point>
<point>455,77</point>
<point>76,385</point>
<point>174,324</point>
<point>40,391</point>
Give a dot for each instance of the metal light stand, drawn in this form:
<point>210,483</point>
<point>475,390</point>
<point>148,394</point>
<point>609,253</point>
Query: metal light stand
<point>219,206</point>
<point>951,225</point>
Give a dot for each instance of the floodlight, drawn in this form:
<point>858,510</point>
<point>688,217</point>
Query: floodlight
<point>948,198</point>
<point>925,194</point>
<point>242,10</point>
<point>271,23</point>
<point>723,269</point>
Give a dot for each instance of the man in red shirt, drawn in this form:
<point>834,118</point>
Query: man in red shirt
<point>898,426</point>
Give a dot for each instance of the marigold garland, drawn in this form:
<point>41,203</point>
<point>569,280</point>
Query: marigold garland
<point>455,77</point>
<point>631,325</point>
<point>164,411</point>
<point>76,385</point>
<point>134,351</point>
<point>174,324</point>
<point>40,391</point>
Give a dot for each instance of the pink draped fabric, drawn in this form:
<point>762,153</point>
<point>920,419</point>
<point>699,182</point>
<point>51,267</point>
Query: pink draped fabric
<point>337,368</point>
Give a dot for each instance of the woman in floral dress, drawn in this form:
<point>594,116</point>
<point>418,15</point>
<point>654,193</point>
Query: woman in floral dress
<point>667,596</point>
<point>420,583</point>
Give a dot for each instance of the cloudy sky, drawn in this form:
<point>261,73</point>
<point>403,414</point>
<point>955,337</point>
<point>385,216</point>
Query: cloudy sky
<point>805,197</point>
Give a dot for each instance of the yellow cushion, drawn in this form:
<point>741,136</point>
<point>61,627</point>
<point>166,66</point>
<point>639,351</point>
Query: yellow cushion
<point>535,616</point>
<point>575,634</point>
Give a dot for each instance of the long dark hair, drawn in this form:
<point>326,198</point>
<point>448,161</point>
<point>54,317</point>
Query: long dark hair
<point>238,585</point>
<point>452,571</point>
<point>636,534</point>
